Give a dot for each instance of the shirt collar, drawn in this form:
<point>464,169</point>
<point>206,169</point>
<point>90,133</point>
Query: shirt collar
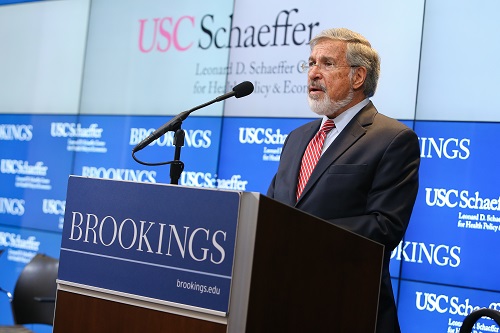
<point>345,117</point>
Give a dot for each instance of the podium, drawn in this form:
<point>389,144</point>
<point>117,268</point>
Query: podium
<point>142,257</point>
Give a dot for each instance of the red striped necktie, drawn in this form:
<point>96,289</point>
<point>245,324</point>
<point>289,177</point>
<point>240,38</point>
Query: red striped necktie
<point>312,155</point>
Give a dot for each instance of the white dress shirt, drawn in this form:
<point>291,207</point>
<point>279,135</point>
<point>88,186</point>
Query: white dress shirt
<point>341,122</point>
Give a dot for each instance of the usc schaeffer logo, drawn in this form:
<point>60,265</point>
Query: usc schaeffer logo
<point>162,34</point>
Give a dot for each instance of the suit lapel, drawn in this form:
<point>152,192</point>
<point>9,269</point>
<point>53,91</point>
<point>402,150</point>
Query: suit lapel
<point>346,139</point>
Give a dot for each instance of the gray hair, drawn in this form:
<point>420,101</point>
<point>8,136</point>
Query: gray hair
<point>359,52</point>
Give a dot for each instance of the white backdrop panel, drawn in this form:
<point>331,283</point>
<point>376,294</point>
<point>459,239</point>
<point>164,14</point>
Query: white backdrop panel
<point>459,71</point>
<point>393,27</point>
<point>42,47</point>
<point>147,57</point>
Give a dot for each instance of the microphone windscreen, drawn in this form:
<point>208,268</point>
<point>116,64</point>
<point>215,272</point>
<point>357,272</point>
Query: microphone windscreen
<point>243,89</point>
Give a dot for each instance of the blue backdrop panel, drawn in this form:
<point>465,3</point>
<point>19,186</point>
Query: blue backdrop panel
<point>19,246</point>
<point>9,2</point>
<point>454,226</point>
<point>437,308</point>
<point>120,134</point>
<point>34,166</point>
<point>251,148</point>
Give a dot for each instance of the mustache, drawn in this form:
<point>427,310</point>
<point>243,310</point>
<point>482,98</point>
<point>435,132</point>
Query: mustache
<point>316,85</point>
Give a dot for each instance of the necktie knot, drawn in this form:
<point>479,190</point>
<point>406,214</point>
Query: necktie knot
<point>327,126</point>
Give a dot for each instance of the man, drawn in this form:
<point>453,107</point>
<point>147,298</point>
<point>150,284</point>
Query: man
<point>366,179</point>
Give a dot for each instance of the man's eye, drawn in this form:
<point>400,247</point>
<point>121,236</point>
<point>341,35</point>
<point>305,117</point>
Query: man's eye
<point>311,63</point>
<point>329,65</point>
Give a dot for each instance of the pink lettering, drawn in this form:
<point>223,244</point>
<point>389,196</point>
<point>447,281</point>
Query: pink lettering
<point>169,29</point>
<point>176,30</point>
<point>166,34</point>
<point>141,36</point>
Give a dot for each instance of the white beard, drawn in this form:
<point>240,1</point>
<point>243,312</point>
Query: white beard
<point>327,107</point>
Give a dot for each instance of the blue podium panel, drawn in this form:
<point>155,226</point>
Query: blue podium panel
<point>163,242</point>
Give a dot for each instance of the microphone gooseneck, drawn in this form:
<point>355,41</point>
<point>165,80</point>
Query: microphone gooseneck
<point>240,90</point>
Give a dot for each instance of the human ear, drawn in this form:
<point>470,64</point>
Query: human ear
<point>358,79</point>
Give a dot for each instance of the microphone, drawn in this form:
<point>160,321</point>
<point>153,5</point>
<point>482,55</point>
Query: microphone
<point>240,90</point>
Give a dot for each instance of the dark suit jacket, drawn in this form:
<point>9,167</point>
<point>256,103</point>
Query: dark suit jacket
<point>366,182</point>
